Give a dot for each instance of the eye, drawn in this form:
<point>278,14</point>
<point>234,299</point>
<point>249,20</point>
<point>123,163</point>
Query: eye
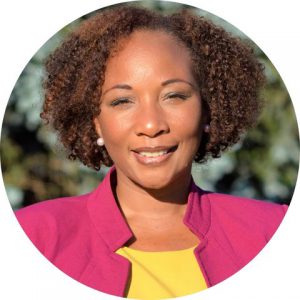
<point>120,101</point>
<point>175,95</point>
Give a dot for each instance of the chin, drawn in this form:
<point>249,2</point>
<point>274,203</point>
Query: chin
<point>153,185</point>
<point>157,182</point>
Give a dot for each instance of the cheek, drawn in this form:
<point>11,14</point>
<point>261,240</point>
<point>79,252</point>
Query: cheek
<point>190,133</point>
<point>112,130</point>
<point>188,122</point>
<point>117,133</point>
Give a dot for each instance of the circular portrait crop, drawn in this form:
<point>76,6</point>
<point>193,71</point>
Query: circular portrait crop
<point>149,150</point>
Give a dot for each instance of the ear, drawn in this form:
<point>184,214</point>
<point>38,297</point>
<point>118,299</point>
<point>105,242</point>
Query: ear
<point>97,126</point>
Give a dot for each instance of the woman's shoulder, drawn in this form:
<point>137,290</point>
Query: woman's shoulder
<point>233,204</point>
<point>47,221</point>
<point>244,213</point>
<point>238,203</point>
<point>53,208</point>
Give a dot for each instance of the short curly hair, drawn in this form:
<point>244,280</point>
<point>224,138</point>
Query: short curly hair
<point>228,75</point>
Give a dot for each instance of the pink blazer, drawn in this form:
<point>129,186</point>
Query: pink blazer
<point>80,234</point>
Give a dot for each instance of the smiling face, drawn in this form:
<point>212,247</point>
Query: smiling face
<point>150,116</point>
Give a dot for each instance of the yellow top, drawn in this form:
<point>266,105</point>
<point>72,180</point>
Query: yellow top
<point>167,274</point>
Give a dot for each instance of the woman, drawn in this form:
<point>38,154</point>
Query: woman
<point>149,94</point>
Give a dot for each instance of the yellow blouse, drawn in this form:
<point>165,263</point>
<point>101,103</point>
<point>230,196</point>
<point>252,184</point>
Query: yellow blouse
<point>167,274</point>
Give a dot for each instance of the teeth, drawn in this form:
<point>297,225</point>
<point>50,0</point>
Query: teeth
<point>153,154</point>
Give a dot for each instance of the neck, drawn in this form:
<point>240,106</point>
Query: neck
<point>135,200</point>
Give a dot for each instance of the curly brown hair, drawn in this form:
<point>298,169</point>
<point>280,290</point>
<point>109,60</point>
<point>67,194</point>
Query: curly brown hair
<point>228,74</point>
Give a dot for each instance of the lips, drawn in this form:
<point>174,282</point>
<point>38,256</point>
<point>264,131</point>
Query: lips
<point>153,155</point>
<point>155,150</point>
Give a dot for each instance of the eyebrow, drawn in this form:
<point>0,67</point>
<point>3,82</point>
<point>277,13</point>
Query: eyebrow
<point>119,86</point>
<point>169,81</point>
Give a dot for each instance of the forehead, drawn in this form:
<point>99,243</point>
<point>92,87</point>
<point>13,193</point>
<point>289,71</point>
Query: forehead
<point>149,52</point>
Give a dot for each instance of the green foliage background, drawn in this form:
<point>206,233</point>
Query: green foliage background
<point>263,165</point>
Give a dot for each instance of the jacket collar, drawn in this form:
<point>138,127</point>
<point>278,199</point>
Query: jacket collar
<point>106,215</point>
<point>113,228</point>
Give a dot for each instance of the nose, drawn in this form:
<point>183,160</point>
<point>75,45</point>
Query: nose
<point>151,121</point>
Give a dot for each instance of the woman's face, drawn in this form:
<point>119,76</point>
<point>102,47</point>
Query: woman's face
<point>151,117</point>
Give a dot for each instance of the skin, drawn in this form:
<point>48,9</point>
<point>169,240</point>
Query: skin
<point>150,98</point>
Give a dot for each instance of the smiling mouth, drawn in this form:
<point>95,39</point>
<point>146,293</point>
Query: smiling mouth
<point>155,155</point>
<point>155,151</point>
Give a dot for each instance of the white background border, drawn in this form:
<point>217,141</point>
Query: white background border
<point>26,26</point>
